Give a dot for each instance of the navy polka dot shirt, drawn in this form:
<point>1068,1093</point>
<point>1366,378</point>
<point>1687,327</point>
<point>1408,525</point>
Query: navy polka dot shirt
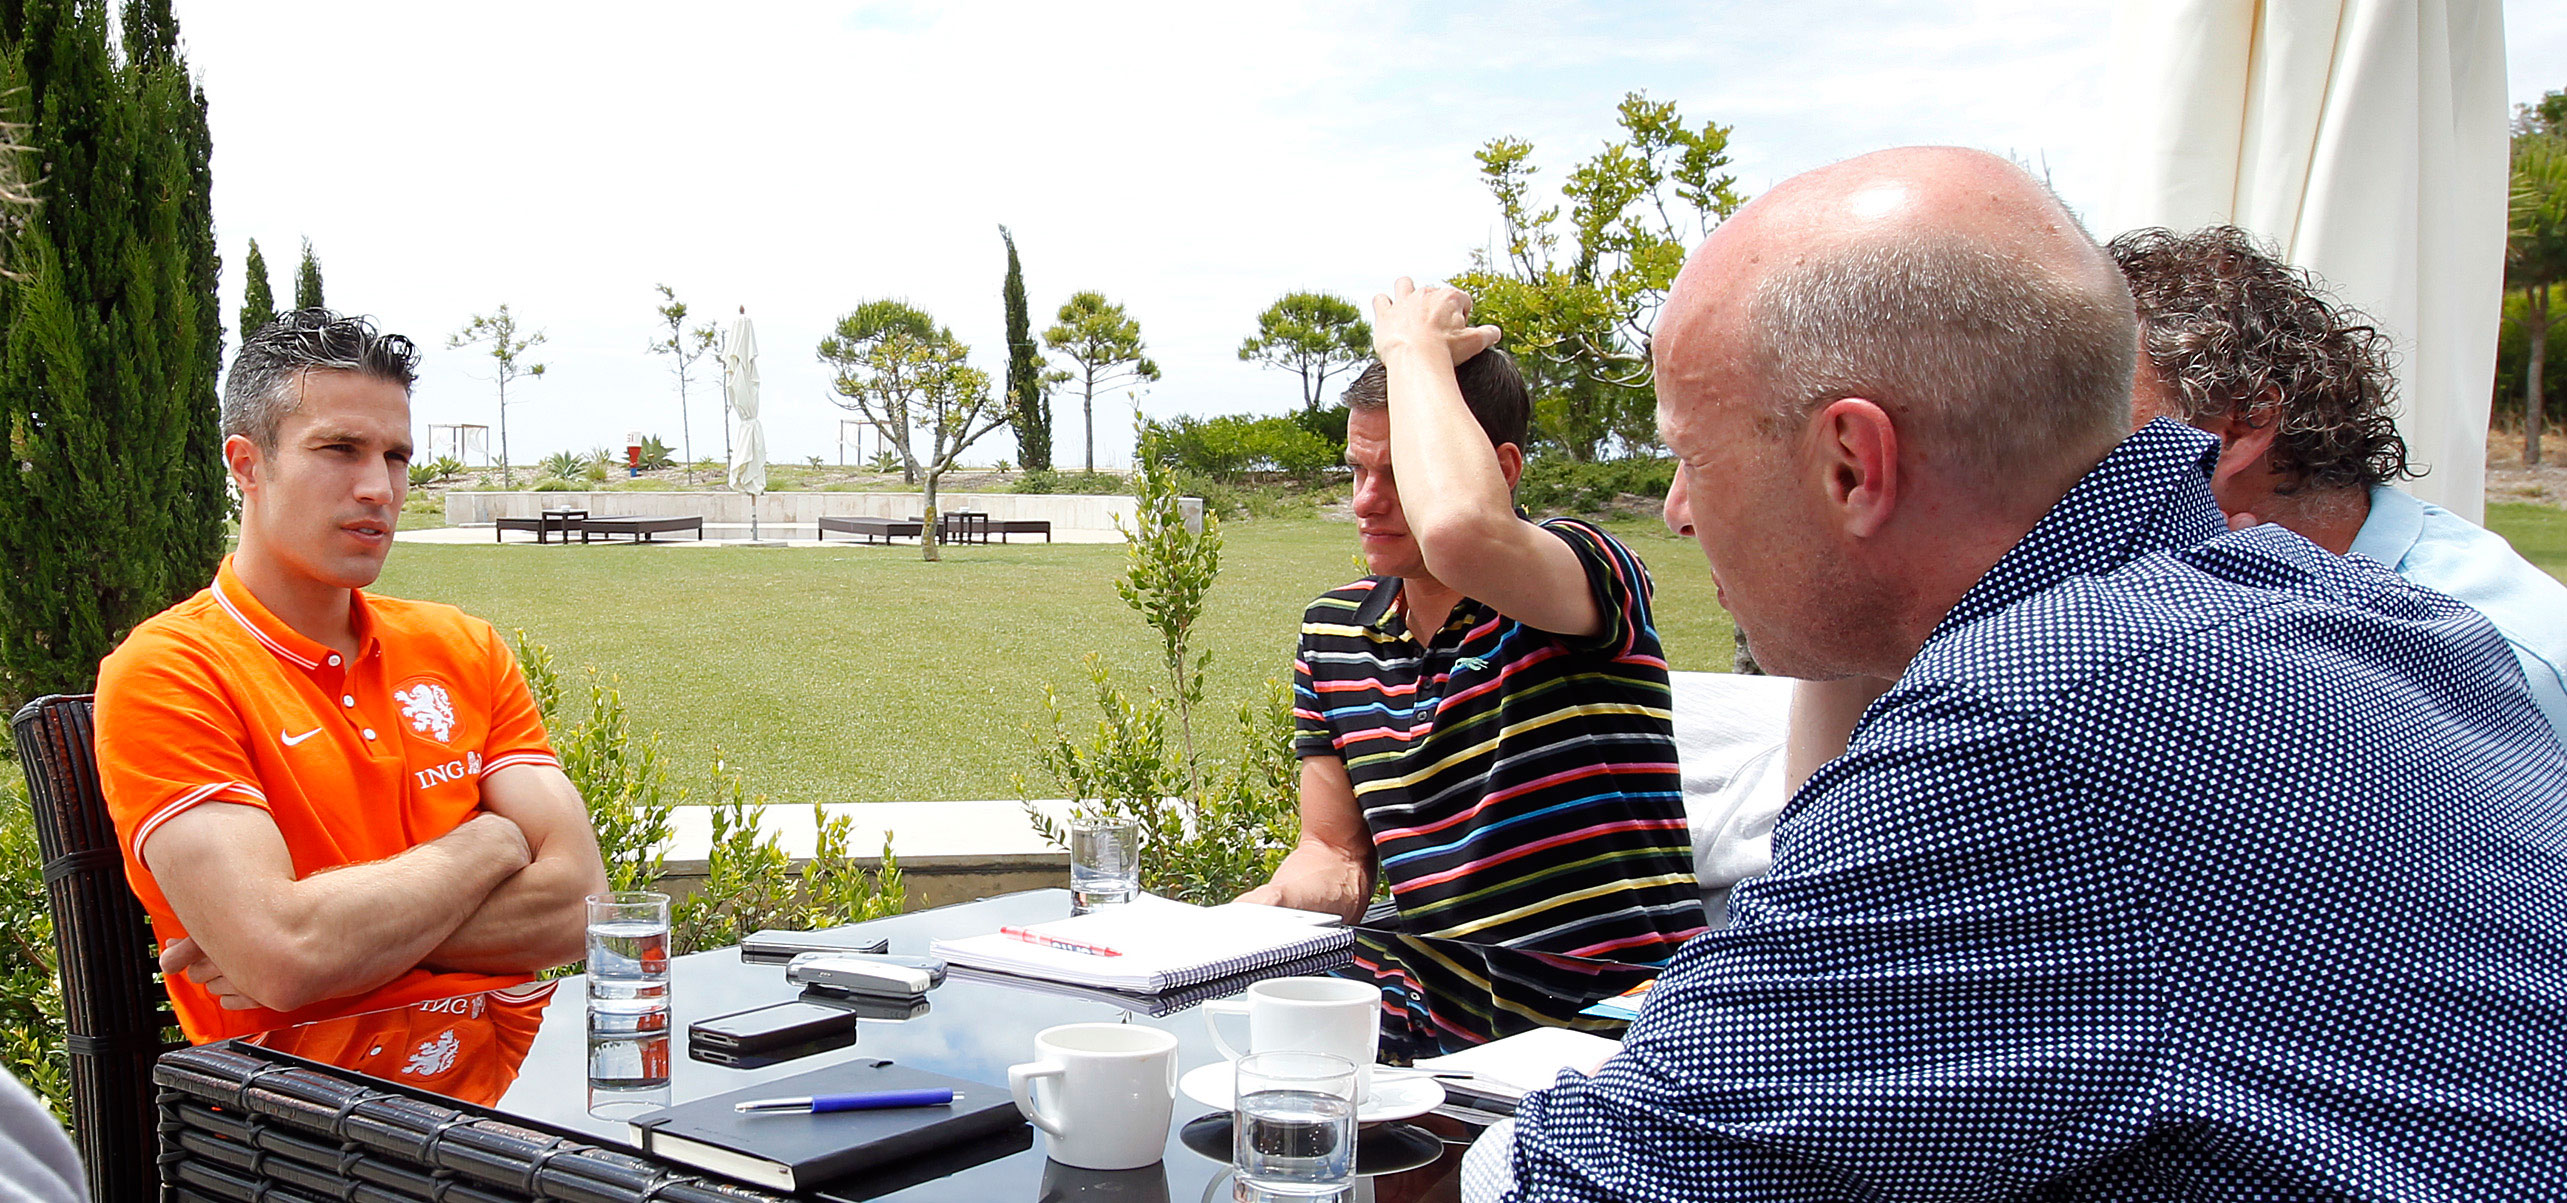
<point>2181,864</point>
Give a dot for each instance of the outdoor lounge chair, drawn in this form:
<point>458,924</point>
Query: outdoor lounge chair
<point>115,1012</point>
<point>640,528</point>
<point>871,529</point>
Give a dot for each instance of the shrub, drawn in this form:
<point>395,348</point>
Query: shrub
<point>748,876</point>
<point>1233,447</point>
<point>555,484</point>
<point>601,464</point>
<point>655,454</point>
<point>31,1023</point>
<point>425,504</point>
<point>562,464</point>
<point>1557,484</point>
<point>1047,480</point>
<point>1211,826</point>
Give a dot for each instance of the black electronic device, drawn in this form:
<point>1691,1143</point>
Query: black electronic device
<point>773,1026</point>
<point>777,1055</point>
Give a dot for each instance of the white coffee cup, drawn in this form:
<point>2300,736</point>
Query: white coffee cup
<point>1101,1092</point>
<point>1333,1015</point>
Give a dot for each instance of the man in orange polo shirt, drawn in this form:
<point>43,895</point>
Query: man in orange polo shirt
<point>332,802</point>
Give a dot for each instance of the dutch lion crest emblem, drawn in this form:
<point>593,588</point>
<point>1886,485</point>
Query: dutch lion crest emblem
<point>434,1057</point>
<point>428,709</point>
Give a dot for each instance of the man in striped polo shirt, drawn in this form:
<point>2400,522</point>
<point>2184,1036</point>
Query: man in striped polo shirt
<point>1484,720</point>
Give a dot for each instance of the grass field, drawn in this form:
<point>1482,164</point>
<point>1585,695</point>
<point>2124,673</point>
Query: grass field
<point>864,674</point>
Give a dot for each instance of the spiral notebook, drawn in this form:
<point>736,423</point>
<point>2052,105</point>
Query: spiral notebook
<point>1158,946</point>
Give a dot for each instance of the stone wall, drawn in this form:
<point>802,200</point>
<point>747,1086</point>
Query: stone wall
<point>1065,511</point>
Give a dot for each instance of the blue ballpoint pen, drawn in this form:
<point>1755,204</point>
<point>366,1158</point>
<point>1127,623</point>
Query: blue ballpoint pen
<point>871,1101</point>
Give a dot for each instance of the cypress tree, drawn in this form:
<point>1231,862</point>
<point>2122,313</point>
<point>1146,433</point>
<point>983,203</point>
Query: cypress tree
<point>111,500</point>
<point>1029,407</point>
<point>258,300</point>
<point>307,280</point>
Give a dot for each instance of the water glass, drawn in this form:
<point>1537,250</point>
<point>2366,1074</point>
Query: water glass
<point>1105,863</point>
<point>628,960</point>
<point>1292,1131</point>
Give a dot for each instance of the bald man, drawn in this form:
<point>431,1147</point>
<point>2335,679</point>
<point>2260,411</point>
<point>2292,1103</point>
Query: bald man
<point>2179,862</point>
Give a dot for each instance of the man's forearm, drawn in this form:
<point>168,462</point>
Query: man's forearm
<point>534,920</point>
<point>353,929</point>
<point>1451,487</point>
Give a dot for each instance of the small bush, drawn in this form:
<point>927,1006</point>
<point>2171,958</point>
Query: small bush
<point>562,464</point>
<point>555,484</point>
<point>1233,447</point>
<point>431,505</point>
<point>1557,484</point>
<point>631,805</point>
<point>601,463</point>
<point>1212,826</point>
<point>1047,480</point>
<point>31,1023</point>
<point>655,454</point>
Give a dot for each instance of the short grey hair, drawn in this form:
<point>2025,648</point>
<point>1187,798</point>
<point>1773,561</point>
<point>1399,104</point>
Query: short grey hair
<point>1997,361</point>
<point>264,385</point>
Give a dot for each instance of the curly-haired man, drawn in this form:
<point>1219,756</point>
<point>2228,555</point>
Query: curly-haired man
<point>2298,389</point>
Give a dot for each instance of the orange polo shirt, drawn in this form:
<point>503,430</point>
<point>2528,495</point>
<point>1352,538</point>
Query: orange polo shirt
<point>216,700</point>
<point>465,1048</point>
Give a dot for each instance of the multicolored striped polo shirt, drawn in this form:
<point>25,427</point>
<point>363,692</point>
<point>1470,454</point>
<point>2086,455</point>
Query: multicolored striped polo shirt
<point>1521,786</point>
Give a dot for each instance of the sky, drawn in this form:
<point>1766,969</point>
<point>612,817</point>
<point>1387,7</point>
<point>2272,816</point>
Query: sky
<point>1192,162</point>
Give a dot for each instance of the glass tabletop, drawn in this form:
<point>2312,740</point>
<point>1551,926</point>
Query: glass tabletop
<point>529,1054</point>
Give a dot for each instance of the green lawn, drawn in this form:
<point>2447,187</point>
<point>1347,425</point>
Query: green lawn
<point>2538,533</point>
<point>864,674</point>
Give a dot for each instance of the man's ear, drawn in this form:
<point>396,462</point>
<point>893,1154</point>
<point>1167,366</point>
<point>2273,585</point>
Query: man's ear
<point>241,457</point>
<point>2246,446</point>
<point>1856,446</point>
<point>1510,464</point>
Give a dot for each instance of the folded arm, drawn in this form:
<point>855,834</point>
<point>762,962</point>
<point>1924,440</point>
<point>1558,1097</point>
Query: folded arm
<point>1331,869</point>
<point>259,936</point>
<point>1458,491</point>
<point>537,918</point>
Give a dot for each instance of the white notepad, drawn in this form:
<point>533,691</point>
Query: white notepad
<point>1526,1061</point>
<point>1165,945</point>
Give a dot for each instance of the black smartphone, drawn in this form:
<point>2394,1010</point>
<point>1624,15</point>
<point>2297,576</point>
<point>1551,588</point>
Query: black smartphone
<point>772,1026</point>
<point>772,1056</point>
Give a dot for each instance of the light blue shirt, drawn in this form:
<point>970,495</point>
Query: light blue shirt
<point>2449,554</point>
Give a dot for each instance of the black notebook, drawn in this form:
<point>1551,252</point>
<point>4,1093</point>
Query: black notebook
<point>796,1151</point>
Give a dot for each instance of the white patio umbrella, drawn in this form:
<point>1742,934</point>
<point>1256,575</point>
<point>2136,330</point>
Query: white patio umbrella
<point>2364,138</point>
<point>740,387</point>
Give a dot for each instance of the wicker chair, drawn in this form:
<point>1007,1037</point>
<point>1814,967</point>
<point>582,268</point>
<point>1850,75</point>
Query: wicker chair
<point>115,1011</point>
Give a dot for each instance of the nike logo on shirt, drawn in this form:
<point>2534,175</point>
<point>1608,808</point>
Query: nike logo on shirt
<point>291,740</point>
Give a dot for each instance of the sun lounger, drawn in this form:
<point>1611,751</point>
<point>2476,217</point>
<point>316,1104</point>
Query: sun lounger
<point>872,529</point>
<point>640,529</point>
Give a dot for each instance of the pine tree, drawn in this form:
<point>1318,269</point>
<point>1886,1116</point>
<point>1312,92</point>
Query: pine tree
<point>1029,402</point>
<point>307,280</point>
<point>111,498</point>
<point>258,299</point>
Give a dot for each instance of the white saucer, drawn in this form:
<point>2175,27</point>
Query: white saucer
<point>1393,1097</point>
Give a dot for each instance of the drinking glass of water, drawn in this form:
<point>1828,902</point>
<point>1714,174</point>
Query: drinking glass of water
<point>1292,1131</point>
<point>1105,862</point>
<point>628,962</point>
